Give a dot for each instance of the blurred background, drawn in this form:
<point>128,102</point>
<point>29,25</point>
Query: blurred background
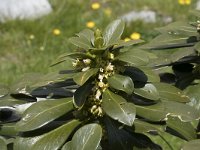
<point>32,43</point>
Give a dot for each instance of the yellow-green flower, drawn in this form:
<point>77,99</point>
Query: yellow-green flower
<point>90,24</point>
<point>56,32</point>
<point>135,36</point>
<point>127,39</point>
<point>95,6</point>
<point>184,2</point>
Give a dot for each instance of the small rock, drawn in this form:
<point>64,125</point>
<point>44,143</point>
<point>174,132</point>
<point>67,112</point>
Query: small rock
<point>23,9</point>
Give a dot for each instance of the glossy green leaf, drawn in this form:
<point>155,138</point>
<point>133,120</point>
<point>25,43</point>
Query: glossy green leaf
<point>43,112</point>
<point>155,112</point>
<point>113,32</point>
<point>194,94</point>
<point>149,91</point>
<point>3,145</point>
<point>160,111</point>
<point>134,57</point>
<point>181,53</point>
<point>82,77</point>
<point>87,137</point>
<point>191,145</point>
<point>179,28</point>
<point>117,108</point>
<point>81,42</point>
<point>197,47</point>
<point>182,111</point>
<point>11,102</point>
<point>81,94</point>
<point>51,140</point>
<point>120,82</point>
<point>31,81</point>
<point>170,93</point>
<point>67,146</point>
<point>184,128</point>
<point>169,41</point>
<point>8,129</point>
<point>145,127</point>
<point>88,34</point>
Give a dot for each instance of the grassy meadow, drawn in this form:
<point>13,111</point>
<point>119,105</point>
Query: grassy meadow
<point>31,46</point>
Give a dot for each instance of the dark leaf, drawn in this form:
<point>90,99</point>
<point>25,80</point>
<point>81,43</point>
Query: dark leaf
<point>81,94</point>
<point>121,139</point>
<point>136,74</point>
<point>51,92</point>
<point>9,114</point>
<point>82,77</point>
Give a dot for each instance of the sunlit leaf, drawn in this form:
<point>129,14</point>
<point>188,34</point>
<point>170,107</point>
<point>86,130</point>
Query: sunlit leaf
<point>87,137</point>
<point>170,93</point>
<point>113,32</point>
<point>120,82</point>
<point>51,140</point>
<point>43,112</point>
<point>81,42</point>
<point>194,94</point>
<point>8,129</point>
<point>184,128</point>
<point>160,111</point>
<point>133,57</point>
<point>117,108</point>
<point>182,28</point>
<point>149,91</point>
<point>3,145</point>
<point>145,127</point>
<point>192,145</point>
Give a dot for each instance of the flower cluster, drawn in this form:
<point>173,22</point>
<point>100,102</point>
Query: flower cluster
<point>133,36</point>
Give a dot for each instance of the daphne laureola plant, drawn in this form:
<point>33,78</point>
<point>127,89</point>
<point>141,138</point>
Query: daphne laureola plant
<point>110,98</point>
